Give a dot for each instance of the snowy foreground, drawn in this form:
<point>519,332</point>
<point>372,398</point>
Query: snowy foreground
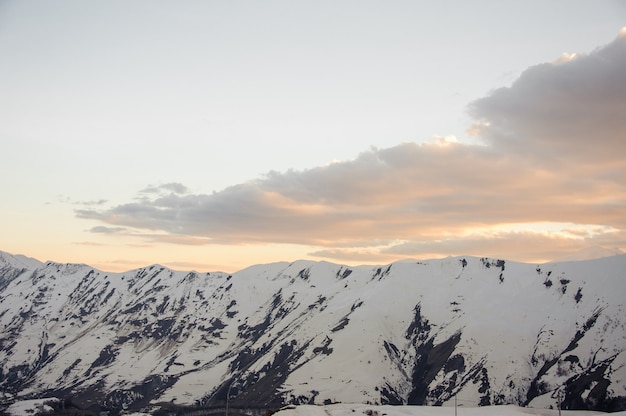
<point>38,406</point>
<point>363,409</point>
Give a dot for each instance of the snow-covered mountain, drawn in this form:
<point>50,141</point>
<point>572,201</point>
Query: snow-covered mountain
<point>487,331</point>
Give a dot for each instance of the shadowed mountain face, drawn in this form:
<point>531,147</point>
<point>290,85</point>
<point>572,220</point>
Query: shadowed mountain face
<point>486,330</point>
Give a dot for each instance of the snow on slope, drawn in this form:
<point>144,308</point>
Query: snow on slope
<point>31,407</point>
<point>489,331</point>
<point>359,410</point>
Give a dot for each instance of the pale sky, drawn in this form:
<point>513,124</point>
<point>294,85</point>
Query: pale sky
<point>213,135</point>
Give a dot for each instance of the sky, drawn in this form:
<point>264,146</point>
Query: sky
<point>214,135</point>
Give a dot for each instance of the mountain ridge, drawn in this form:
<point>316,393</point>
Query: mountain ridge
<point>489,330</point>
<point>590,253</point>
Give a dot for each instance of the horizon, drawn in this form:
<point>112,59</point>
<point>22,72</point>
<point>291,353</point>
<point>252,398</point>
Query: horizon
<point>217,136</point>
<point>585,254</point>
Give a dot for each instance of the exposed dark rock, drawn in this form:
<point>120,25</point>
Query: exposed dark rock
<point>262,387</point>
<point>138,396</point>
<point>579,295</point>
<point>537,385</point>
<point>455,363</point>
<point>419,329</point>
<point>592,381</point>
<point>485,388</point>
<point>380,272</point>
<point>391,349</point>
<point>430,359</point>
<point>324,348</point>
<point>343,273</point>
<point>304,274</point>
<point>388,395</point>
<point>106,357</point>
<point>341,325</point>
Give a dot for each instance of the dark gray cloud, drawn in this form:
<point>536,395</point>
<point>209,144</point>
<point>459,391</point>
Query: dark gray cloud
<point>554,152</point>
<point>570,109</point>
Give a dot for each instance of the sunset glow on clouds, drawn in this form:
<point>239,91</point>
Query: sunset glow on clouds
<point>547,178</point>
<point>139,171</point>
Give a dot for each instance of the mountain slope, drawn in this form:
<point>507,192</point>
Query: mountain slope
<point>489,331</point>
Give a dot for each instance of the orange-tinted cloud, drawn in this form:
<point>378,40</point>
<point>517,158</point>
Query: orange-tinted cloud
<point>554,153</point>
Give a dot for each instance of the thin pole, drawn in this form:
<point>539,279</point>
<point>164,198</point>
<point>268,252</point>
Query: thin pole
<point>228,396</point>
<point>455,405</point>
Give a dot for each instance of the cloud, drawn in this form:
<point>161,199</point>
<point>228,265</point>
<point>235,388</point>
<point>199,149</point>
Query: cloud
<point>64,199</point>
<point>177,239</point>
<point>93,203</point>
<point>106,230</point>
<point>407,190</point>
<point>552,152</point>
<point>524,244</point>
<point>573,108</point>
<point>172,187</point>
<point>89,243</point>
<point>348,255</point>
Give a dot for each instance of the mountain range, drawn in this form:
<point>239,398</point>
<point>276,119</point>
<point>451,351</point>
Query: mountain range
<point>480,331</point>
